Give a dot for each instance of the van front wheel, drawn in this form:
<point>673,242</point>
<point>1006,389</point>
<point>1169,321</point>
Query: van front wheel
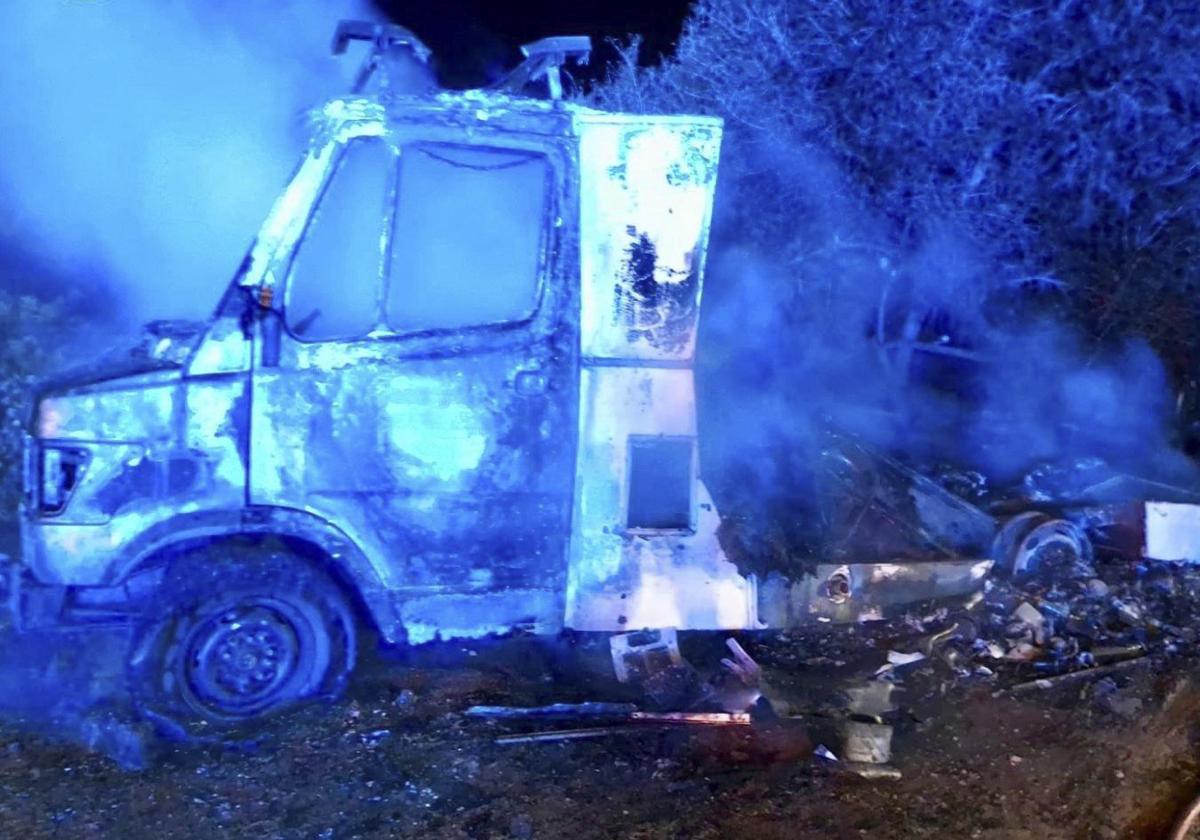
<point>237,635</point>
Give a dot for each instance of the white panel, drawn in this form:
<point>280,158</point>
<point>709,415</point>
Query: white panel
<point>646,197</point>
<point>1173,532</point>
<point>622,581</point>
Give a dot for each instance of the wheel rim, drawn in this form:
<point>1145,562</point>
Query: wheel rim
<point>243,659</point>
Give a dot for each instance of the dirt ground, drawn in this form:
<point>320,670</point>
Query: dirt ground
<point>396,757</point>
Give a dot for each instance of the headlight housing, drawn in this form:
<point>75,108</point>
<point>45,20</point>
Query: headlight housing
<point>59,470</point>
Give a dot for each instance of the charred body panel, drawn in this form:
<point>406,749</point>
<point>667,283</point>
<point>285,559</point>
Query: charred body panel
<point>157,445</point>
<point>446,453</point>
<point>624,576</point>
<point>876,508</point>
<point>646,203</point>
<point>859,591</point>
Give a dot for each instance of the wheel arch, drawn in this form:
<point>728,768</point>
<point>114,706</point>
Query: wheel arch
<point>310,537</point>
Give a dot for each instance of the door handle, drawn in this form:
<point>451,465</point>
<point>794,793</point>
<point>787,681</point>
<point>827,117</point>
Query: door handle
<point>530,382</point>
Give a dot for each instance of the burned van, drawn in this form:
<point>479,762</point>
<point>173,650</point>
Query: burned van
<point>449,391</point>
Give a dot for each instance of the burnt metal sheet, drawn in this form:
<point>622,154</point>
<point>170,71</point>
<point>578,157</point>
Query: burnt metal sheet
<point>856,592</point>
<point>876,508</point>
<point>448,456</point>
<point>621,579</point>
<point>646,193</point>
<point>156,448</point>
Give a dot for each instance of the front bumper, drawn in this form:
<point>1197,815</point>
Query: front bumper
<point>26,604</point>
<point>29,604</point>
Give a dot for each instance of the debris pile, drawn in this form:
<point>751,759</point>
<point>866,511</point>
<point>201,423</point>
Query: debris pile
<point>1067,614</point>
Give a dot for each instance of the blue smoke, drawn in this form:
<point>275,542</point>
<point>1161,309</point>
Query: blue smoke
<point>143,141</point>
<point>810,336</point>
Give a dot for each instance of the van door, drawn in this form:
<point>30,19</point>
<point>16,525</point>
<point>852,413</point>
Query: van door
<point>425,398</point>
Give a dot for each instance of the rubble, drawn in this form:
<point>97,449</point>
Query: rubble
<point>896,657</point>
<point>867,741</point>
<point>651,660</point>
<point>1069,613</point>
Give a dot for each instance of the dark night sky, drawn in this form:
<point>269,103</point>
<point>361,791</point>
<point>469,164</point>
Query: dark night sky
<point>476,40</point>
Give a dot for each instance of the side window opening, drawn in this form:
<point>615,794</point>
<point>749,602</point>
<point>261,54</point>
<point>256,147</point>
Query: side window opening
<point>660,483</point>
<point>466,237</point>
<point>334,281</point>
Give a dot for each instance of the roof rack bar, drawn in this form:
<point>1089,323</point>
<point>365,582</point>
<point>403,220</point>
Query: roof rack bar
<point>545,58</point>
<point>389,44</point>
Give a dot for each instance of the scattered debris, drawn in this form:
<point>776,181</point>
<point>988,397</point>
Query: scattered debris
<point>636,656</point>
<point>873,698</point>
<point>866,737</point>
<point>1072,616</point>
<point>866,741</point>
<point>740,685</point>
<point>873,771</point>
<point>556,711</point>
<point>642,658</point>
<point>568,735</point>
<point>898,658</point>
<point>639,722</point>
<point>651,659</point>
<point>1081,675</point>
<point>624,711</point>
<point>824,752</point>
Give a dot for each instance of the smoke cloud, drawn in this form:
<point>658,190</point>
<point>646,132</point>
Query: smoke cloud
<point>143,141</point>
<point>811,335</point>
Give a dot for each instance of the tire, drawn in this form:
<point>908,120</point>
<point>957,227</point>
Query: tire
<point>236,634</point>
<point>1030,539</point>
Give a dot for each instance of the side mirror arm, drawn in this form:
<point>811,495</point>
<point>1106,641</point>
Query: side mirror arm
<point>270,329</point>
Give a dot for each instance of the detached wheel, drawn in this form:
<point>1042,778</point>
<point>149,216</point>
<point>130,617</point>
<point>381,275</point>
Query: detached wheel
<point>1032,541</point>
<point>238,634</point>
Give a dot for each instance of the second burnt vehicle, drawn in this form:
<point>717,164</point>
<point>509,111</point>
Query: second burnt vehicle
<point>448,393</point>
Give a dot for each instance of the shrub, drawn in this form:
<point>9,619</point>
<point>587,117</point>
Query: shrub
<point>1056,139</point>
<point>29,347</point>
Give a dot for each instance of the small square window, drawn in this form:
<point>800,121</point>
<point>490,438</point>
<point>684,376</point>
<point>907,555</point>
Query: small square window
<point>660,483</point>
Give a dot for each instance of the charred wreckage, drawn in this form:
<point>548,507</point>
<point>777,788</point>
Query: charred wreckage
<point>450,391</point>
